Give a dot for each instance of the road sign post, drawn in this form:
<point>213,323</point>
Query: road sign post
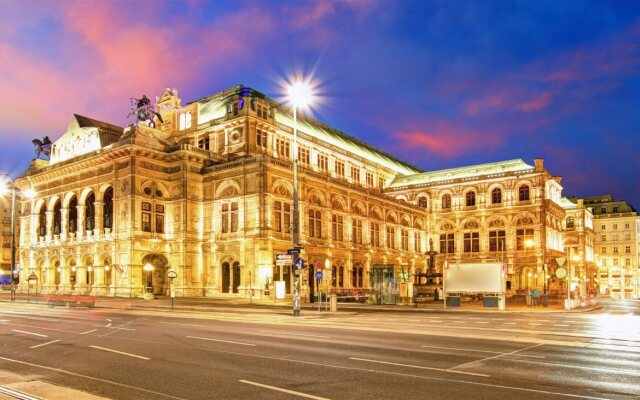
<point>172,275</point>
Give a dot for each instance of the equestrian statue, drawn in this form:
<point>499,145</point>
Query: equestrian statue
<point>144,111</point>
<point>42,147</point>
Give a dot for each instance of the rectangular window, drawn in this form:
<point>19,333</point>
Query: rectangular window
<point>603,210</point>
<point>627,249</point>
<point>627,262</point>
<point>375,234</point>
<point>340,168</point>
<point>234,217</point>
<point>381,182</point>
<point>404,234</point>
<point>369,177</point>
<point>303,155</point>
<point>315,224</point>
<point>229,217</point>
<point>604,250</point>
<point>604,238</point>
<point>615,226</point>
<point>146,222</point>
<point>282,147</point>
<point>522,237</point>
<point>627,236</point>
<point>447,243</point>
<point>603,227</point>
<point>262,111</point>
<point>337,227</point>
<point>615,262</point>
<point>614,209</point>
<point>261,138</point>
<point>391,237</point>
<point>203,143</point>
<point>615,249</point>
<point>497,241</point>
<point>355,174</point>
<point>418,242</point>
<point>159,218</point>
<point>626,226</point>
<point>323,162</point>
<point>356,231</point>
<point>471,242</point>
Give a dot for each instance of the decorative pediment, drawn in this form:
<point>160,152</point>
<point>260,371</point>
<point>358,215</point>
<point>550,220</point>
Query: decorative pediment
<point>83,136</point>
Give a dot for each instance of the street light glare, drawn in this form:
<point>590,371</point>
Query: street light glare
<point>29,193</point>
<point>3,189</point>
<point>300,93</point>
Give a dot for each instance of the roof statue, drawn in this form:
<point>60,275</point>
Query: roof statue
<point>42,147</point>
<point>144,111</point>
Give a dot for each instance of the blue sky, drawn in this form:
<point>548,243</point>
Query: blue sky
<point>438,83</point>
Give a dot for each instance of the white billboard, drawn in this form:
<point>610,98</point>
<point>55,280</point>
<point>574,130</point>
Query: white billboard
<point>474,277</point>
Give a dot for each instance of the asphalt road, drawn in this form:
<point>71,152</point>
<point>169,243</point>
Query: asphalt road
<point>268,354</point>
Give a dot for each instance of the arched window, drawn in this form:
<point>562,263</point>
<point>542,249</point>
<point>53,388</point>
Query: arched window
<point>42,221</point>
<point>72,220</point>
<point>570,222</point>
<point>57,218</point>
<point>423,202</point>
<point>523,193</point>
<point>341,276</point>
<point>470,198</point>
<point>446,201</point>
<point>107,209</point>
<point>90,212</point>
<point>496,196</point>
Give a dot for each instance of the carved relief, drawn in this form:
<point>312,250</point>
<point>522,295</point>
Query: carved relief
<point>496,223</point>
<point>123,212</point>
<point>124,186</point>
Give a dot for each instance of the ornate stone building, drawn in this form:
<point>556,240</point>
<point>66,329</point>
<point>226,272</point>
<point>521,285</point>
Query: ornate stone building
<point>5,241</point>
<point>505,211</point>
<point>579,243</point>
<point>208,194</point>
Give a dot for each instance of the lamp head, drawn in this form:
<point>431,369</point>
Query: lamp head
<point>148,267</point>
<point>29,193</point>
<point>300,92</point>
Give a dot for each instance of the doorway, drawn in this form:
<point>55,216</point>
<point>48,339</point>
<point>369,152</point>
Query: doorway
<point>383,285</point>
<point>154,273</point>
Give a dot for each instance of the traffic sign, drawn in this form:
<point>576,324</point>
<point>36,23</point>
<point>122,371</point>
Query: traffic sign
<point>319,275</point>
<point>299,264</point>
<point>295,250</point>
<point>284,259</point>
<point>172,274</point>
<point>561,273</point>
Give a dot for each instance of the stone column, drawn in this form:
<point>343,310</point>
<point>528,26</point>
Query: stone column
<point>81,286</point>
<point>50,280</point>
<point>64,221</point>
<point>99,223</point>
<point>49,234</point>
<point>80,222</point>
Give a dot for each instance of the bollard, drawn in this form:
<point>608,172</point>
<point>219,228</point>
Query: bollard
<point>334,302</point>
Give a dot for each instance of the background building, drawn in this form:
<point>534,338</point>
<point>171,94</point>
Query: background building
<point>617,241</point>
<point>5,241</point>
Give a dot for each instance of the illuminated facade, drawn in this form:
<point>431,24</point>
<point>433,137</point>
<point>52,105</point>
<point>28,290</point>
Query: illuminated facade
<point>208,193</point>
<point>579,244</point>
<point>5,241</point>
<point>617,242</point>
<point>505,211</point>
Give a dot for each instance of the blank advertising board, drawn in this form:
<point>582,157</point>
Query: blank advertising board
<point>474,277</point>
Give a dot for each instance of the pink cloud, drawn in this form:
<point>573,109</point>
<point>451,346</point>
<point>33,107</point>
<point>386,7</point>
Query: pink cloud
<point>536,103</point>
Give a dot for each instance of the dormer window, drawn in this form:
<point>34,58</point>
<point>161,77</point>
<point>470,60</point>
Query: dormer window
<point>185,120</point>
<point>262,111</point>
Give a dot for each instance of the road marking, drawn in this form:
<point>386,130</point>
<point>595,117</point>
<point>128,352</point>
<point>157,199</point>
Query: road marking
<point>296,334</point>
<point>509,323</point>
<point>223,341</point>
<point>499,355</point>
<point>608,370</point>
<point>16,394</point>
<point>4,320</point>
<point>120,352</point>
<point>482,322</point>
<point>91,331</point>
<point>114,327</point>
<point>90,378</point>
<point>561,325</point>
<point>29,333</point>
<point>480,351</point>
<point>419,367</point>
<point>43,344</point>
<point>277,389</point>
<point>176,323</point>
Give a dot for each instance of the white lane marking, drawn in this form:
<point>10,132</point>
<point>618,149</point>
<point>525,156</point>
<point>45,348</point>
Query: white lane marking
<point>499,355</point>
<point>479,351</point>
<point>114,327</point>
<point>16,394</point>
<point>482,322</point>
<point>90,378</point>
<point>277,389</point>
<point>418,367</point>
<point>565,325</point>
<point>177,323</point>
<point>43,344</point>
<point>29,333</point>
<point>108,320</point>
<point>120,352</point>
<point>598,369</point>
<point>223,341</point>
<point>4,320</point>
<point>296,334</point>
<point>91,331</point>
<point>109,324</point>
<point>509,323</point>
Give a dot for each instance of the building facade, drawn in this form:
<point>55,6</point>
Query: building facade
<point>617,242</point>
<point>207,192</point>
<point>5,241</point>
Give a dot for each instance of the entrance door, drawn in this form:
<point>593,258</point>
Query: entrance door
<point>312,284</point>
<point>226,277</point>
<point>236,276</point>
<point>383,285</point>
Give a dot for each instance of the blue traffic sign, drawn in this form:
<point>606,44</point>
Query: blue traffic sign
<point>299,263</point>
<point>318,275</point>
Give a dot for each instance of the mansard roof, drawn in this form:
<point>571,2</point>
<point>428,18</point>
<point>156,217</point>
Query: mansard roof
<point>214,106</point>
<point>473,171</point>
<point>83,135</point>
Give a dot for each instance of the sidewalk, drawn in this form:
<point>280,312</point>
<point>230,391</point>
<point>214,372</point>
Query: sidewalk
<point>11,383</point>
<point>242,304</point>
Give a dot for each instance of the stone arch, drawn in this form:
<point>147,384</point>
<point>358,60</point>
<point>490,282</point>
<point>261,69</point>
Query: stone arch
<point>446,225</point>
<point>339,202</point>
<point>37,207</point>
<point>402,197</point>
<point>525,218</point>
<point>103,188</point>
<point>417,224</point>
<point>470,223</point>
<point>228,188</point>
<point>52,202</point>
<point>156,278</point>
<point>392,217</point>
<point>422,200</point>
<point>497,221</point>
<point>376,213</point>
<point>67,198</point>
<point>84,194</point>
<point>359,208</point>
<point>405,220</point>
<point>316,197</point>
<point>282,187</point>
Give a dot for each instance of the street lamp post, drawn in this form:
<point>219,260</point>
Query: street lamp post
<point>299,96</point>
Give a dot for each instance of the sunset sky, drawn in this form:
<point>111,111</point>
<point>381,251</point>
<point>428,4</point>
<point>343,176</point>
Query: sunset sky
<point>440,84</point>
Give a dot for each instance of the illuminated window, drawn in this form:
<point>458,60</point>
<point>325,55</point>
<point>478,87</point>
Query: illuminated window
<point>447,243</point>
<point>471,242</point>
<point>355,174</point>
<point>146,217</point>
<point>523,193</point>
<point>303,155</point>
<point>615,262</point>
<point>261,138</point>
<point>282,217</point>
<point>627,262</point>
<point>381,181</point>
<point>185,120</point>
<point>337,227</point>
<point>391,237</point>
<point>423,202</point>
<point>418,242</point>
<point>323,162</point>
<point>446,201</point>
<point>159,218</point>
<point>497,240</point>
<point>604,250</point>
<point>315,223</point>
<point>369,178</point>
<point>356,231</point>
<point>522,237</point>
<point>570,222</point>
<point>203,142</point>
<point>470,198</point>
<point>282,147</point>
<point>340,168</point>
<point>404,236</point>
<point>496,196</point>
<point>375,234</point>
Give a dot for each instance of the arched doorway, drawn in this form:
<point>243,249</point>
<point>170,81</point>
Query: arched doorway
<point>230,277</point>
<point>154,273</point>
<point>236,276</point>
<point>528,278</point>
